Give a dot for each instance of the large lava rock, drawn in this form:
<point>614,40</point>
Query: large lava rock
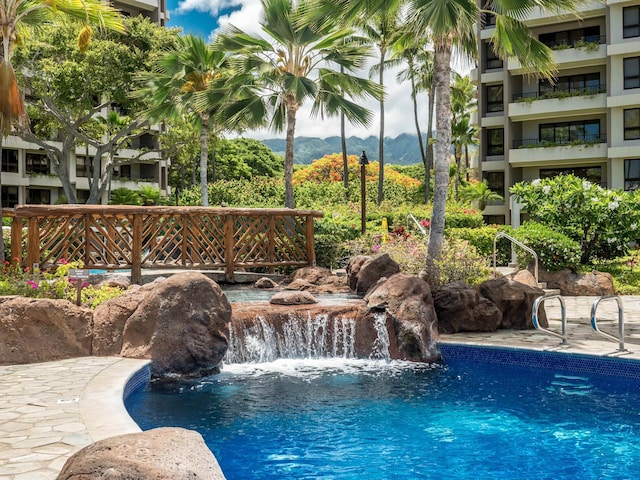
<point>318,280</point>
<point>364,272</point>
<point>570,284</point>
<point>41,330</point>
<point>461,308</point>
<point>515,301</point>
<point>180,323</point>
<point>159,454</point>
<point>406,301</point>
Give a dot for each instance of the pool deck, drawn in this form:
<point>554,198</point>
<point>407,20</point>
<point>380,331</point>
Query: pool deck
<point>50,410</point>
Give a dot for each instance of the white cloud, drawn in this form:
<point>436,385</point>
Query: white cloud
<point>212,6</point>
<point>246,18</point>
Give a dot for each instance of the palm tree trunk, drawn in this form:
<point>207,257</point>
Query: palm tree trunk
<point>204,156</point>
<point>414,98</point>
<point>458,155</point>
<point>441,80</point>
<point>381,138</point>
<point>289,200</point>
<point>429,152</point>
<point>343,142</point>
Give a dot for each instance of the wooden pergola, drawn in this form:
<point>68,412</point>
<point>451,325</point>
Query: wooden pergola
<point>135,237</point>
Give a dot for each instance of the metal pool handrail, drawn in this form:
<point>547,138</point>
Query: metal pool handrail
<point>563,310</point>
<point>521,245</point>
<point>594,322</point>
<point>420,227</point>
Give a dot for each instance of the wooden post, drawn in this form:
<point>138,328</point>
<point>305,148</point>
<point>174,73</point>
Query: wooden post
<point>87,240</point>
<point>33,242</point>
<point>136,250</point>
<point>16,240</point>
<point>229,247</point>
<point>311,251</point>
<point>271,235</point>
<point>186,220</point>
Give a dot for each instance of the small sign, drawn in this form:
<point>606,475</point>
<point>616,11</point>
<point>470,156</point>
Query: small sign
<point>79,273</point>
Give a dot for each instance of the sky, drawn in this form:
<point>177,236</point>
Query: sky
<point>206,17</point>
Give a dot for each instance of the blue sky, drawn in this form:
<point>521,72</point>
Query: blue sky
<point>206,17</point>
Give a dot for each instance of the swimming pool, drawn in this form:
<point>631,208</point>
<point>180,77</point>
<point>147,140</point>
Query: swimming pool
<point>486,415</point>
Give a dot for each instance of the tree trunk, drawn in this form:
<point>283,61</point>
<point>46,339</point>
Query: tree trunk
<point>381,137</point>
<point>429,152</point>
<point>289,200</point>
<point>458,155</point>
<point>442,83</point>
<point>414,98</point>
<point>343,142</point>
<point>204,156</point>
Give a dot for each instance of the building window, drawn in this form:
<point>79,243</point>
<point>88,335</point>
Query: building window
<point>148,172</point>
<point>567,132</point>
<point>493,61</point>
<point>569,38</point>
<point>82,196</point>
<point>488,17</point>
<point>631,22</point>
<point>631,72</point>
<point>495,102</point>
<point>9,161</point>
<point>495,141</point>
<point>632,174</point>
<point>9,196</point>
<point>38,196</point>
<point>37,163</point>
<point>495,182</point>
<point>125,172</point>
<point>493,219</point>
<point>593,174</point>
<point>632,124</point>
<point>587,83</point>
<point>81,167</point>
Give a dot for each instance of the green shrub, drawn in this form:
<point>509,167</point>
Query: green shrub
<point>331,235</point>
<point>463,218</point>
<point>555,250</point>
<point>459,261</point>
<point>482,240</point>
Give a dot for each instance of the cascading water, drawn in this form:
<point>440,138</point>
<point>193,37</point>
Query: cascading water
<point>302,337</point>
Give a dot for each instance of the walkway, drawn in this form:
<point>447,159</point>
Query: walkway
<point>50,410</point>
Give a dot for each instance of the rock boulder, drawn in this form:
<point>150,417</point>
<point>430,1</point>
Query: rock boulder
<point>293,298</point>
<point>42,330</point>
<point>577,284</point>
<point>158,454</point>
<point>406,300</point>
<point>370,271</point>
<point>515,301</point>
<point>461,308</point>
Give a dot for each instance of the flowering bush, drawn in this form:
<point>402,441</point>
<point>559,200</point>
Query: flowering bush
<point>14,280</point>
<point>459,261</point>
<point>602,221</point>
<point>555,250</point>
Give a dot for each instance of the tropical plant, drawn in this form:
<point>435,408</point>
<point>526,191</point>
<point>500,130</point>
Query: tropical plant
<point>124,196</point>
<point>478,194</point>
<point>463,133</point>
<point>180,88</point>
<point>382,29</point>
<point>292,64</point>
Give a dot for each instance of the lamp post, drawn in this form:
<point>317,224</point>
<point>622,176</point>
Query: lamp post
<point>364,161</point>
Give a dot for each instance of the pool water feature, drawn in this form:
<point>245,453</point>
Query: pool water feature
<point>349,419</point>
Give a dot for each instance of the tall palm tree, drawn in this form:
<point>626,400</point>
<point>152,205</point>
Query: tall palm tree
<point>182,78</point>
<point>383,29</point>
<point>16,18</point>
<point>463,134</point>
<point>294,63</point>
<point>419,71</point>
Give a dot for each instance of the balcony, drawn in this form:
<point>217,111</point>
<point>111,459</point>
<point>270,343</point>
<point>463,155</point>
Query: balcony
<point>539,16</point>
<point>536,152</point>
<point>576,55</point>
<point>536,106</point>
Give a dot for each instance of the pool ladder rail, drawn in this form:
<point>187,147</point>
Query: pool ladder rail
<point>594,322</point>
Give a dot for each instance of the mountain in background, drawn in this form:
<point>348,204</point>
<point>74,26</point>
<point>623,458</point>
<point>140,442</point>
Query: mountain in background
<point>402,150</point>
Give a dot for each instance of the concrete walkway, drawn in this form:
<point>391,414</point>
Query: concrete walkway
<point>50,410</point>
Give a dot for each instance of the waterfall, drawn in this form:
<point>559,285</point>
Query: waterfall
<point>302,337</point>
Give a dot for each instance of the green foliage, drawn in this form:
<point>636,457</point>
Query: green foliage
<point>124,196</point>
<point>258,192</point>
<point>149,195</point>
<point>478,194</point>
<point>15,280</point>
<point>461,217</point>
<point>602,221</point>
<point>482,240</point>
<point>331,234</point>
<point>624,270</point>
<point>246,158</point>
<point>555,250</point>
<point>459,261</point>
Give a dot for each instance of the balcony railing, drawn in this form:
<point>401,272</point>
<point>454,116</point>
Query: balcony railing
<point>581,140</point>
<point>590,43</point>
<point>560,93</point>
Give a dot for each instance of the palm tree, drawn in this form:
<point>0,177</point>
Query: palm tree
<point>292,64</point>
<point>382,29</point>
<point>463,103</point>
<point>16,18</point>
<point>479,193</point>
<point>180,86</point>
<point>413,50</point>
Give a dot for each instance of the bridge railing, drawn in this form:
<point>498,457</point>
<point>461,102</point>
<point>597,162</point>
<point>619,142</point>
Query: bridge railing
<point>135,237</point>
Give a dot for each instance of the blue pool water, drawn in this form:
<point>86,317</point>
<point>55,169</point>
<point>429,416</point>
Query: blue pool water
<point>354,420</point>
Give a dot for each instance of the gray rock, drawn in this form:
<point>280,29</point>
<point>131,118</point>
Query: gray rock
<point>515,301</point>
<point>158,454</point>
<point>461,308</point>
<point>293,297</point>
<point>265,282</point>
<point>372,270</point>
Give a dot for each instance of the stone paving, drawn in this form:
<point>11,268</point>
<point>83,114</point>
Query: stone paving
<point>50,410</point>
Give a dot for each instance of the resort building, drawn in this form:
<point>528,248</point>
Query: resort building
<point>27,174</point>
<point>587,123</point>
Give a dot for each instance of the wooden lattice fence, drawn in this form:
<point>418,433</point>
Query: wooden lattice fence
<point>132,237</point>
